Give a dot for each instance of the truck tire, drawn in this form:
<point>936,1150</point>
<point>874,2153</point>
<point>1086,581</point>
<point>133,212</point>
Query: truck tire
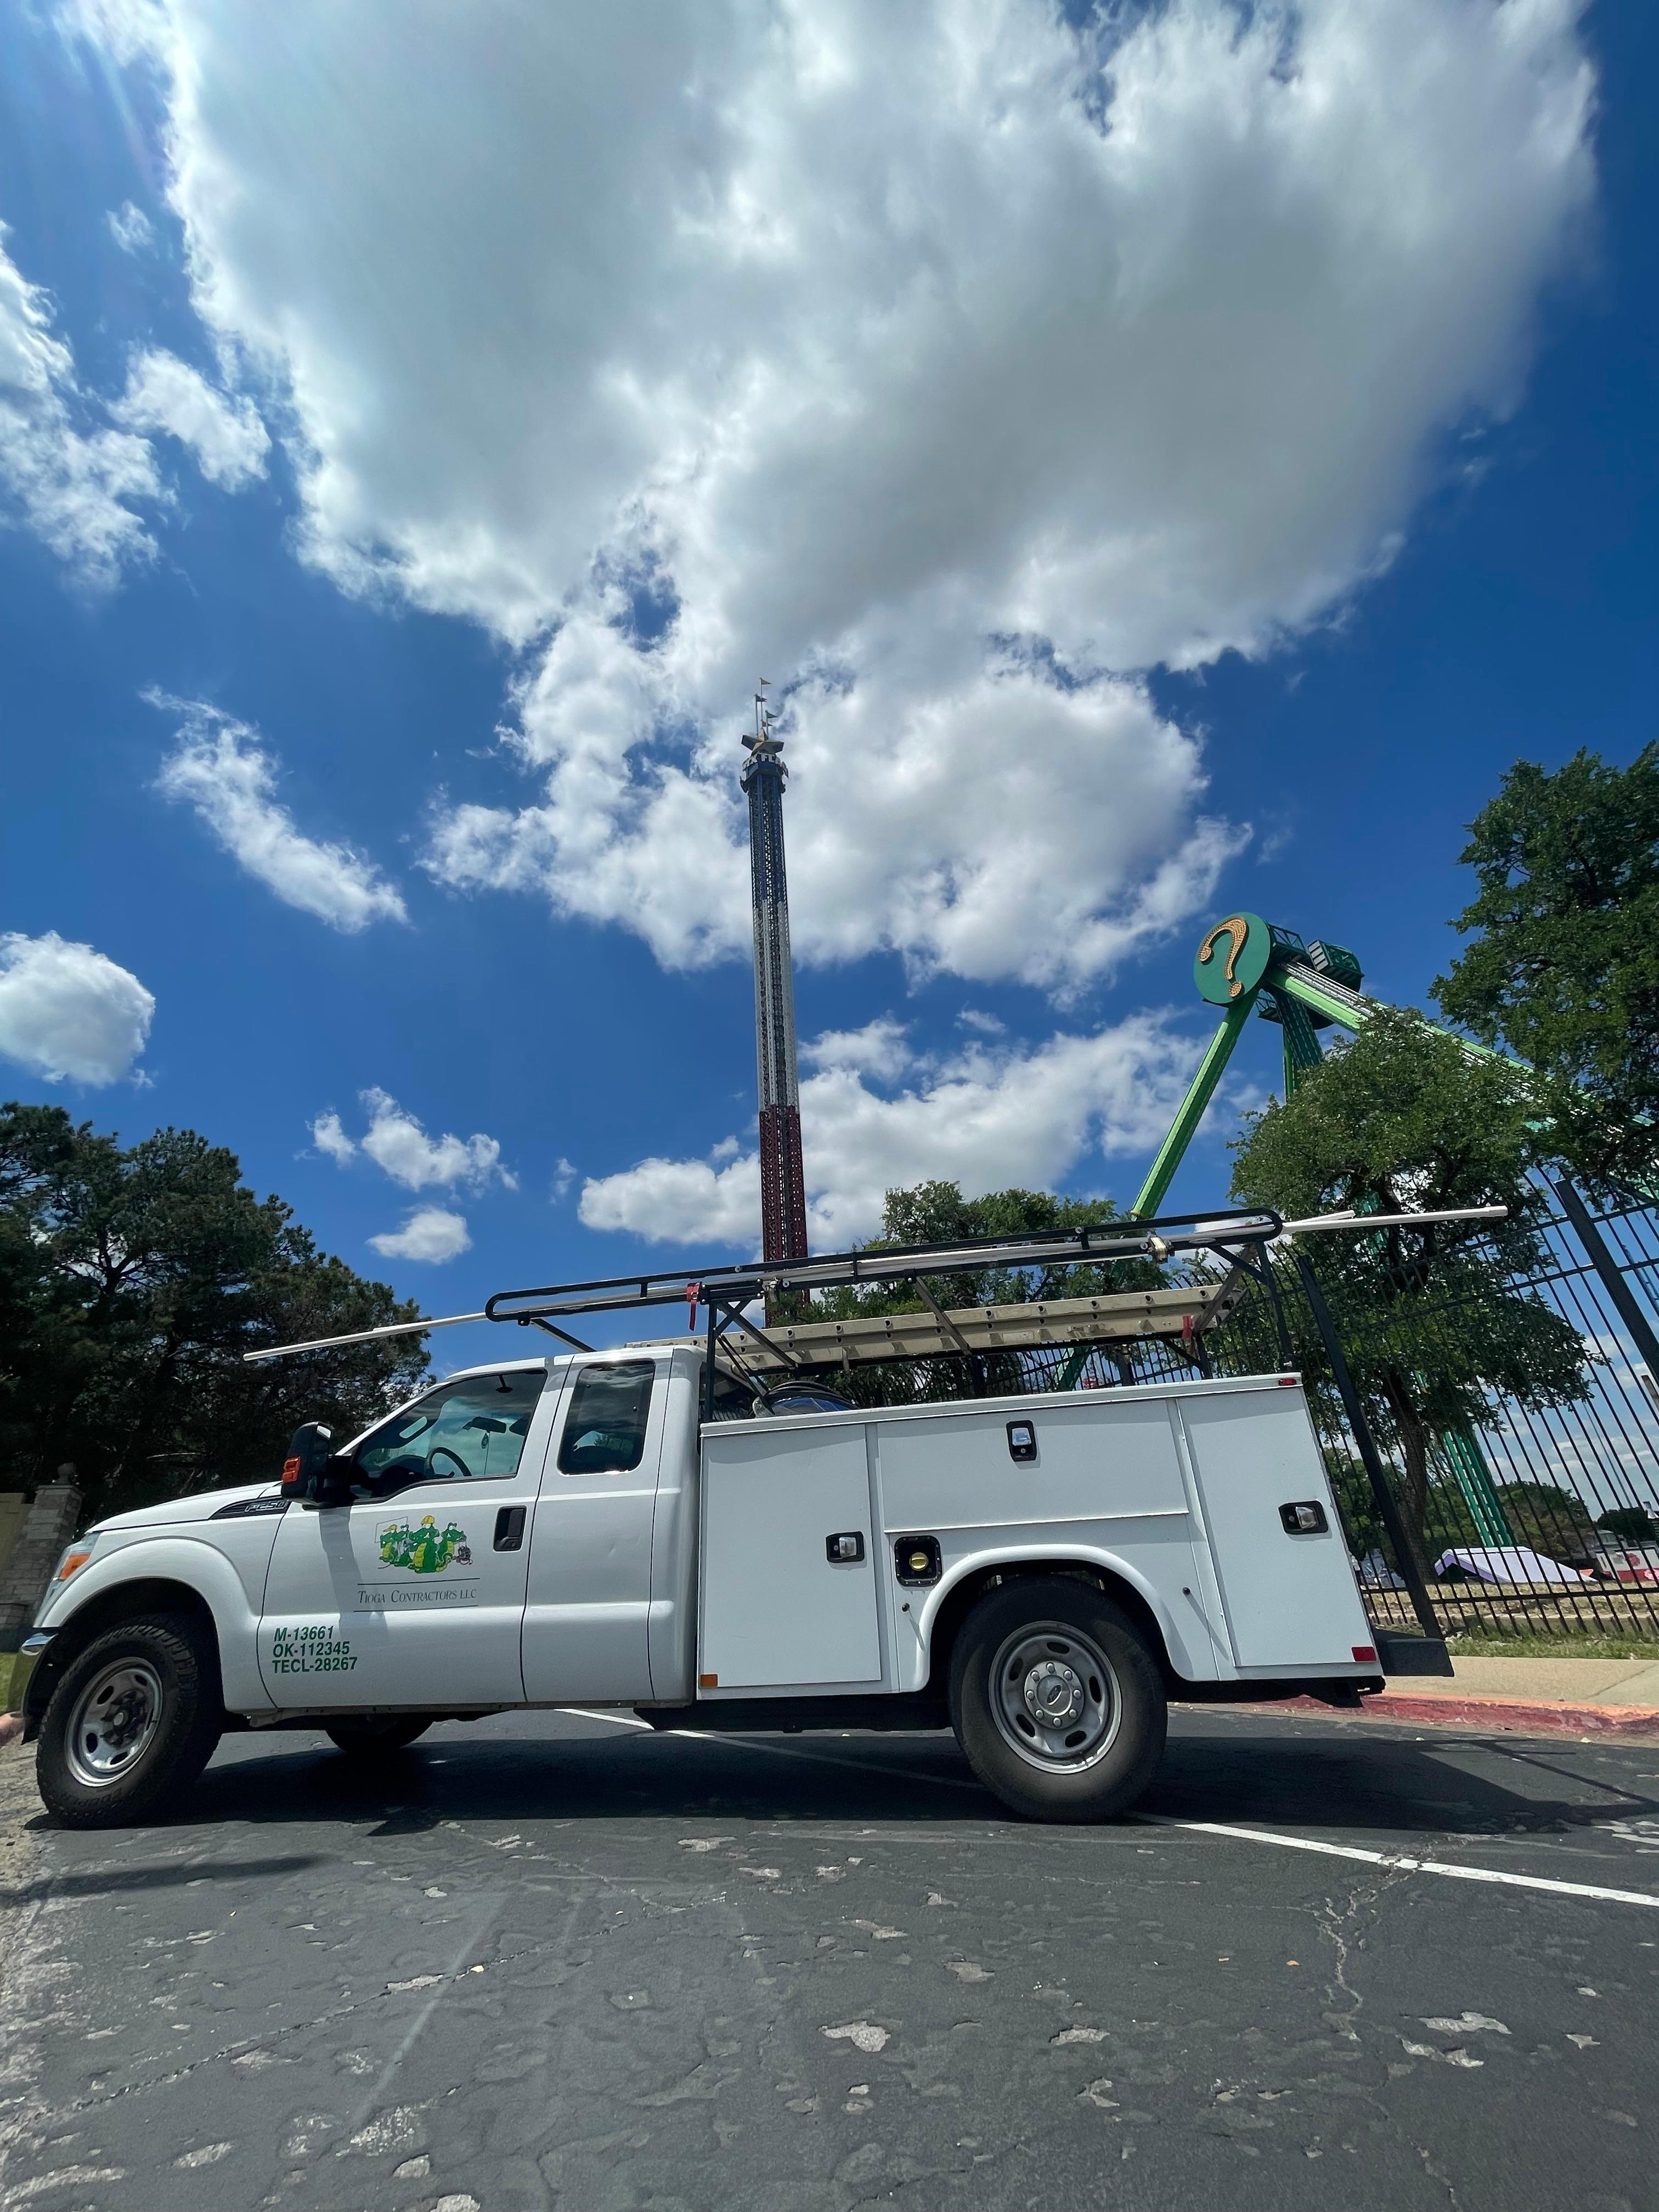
<point>131,1723</point>
<point>1056,1701</point>
<point>377,1736</point>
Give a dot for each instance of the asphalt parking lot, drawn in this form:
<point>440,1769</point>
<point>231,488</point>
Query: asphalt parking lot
<point>549,1960</point>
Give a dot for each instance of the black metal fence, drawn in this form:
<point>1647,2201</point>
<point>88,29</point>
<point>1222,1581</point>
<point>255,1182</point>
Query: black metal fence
<point>1512,1419</point>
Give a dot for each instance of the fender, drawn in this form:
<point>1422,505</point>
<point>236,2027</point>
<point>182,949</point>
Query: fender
<point>1196,1664</point>
<point>176,1558</point>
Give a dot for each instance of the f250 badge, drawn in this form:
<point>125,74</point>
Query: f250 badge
<point>426,1550</point>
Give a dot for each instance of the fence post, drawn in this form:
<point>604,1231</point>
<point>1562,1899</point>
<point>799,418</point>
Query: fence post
<point>1404,1542</point>
<point>1613,1278</point>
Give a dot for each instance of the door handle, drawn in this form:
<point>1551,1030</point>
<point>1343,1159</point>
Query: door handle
<point>509,1528</point>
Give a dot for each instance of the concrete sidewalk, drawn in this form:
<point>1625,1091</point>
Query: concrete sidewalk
<point>1616,1699</point>
<point>1570,1681</point>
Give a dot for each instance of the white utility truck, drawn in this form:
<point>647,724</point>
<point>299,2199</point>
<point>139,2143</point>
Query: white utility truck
<point>652,1527</point>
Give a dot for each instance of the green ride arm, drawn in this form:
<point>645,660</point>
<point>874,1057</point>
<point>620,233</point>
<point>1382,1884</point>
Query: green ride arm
<point>1199,1093</point>
<point>1349,1010</point>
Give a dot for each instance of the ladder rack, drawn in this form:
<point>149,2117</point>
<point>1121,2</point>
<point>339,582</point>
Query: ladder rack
<point>1038,1247</point>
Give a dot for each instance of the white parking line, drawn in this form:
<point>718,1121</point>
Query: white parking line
<point>1398,1863</point>
<point>1394,1862</point>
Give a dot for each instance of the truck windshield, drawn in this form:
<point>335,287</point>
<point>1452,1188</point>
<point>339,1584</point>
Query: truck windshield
<point>472,1431</point>
<point>604,1429</point>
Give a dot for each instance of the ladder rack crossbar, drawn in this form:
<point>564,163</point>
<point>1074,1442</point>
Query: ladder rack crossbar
<point>1154,1240</point>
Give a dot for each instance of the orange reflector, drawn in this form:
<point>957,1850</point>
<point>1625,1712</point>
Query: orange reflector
<point>290,1471</point>
<point>1366,1654</point>
<point>73,1565</point>
<point>708,1681</point>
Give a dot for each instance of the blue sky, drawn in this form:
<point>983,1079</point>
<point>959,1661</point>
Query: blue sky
<point>1159,471</point>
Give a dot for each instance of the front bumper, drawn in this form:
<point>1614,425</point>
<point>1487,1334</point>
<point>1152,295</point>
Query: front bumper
<point>17,1667</point>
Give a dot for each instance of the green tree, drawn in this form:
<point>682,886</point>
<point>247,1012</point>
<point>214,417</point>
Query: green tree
<point>1563,967</point>
<point>131,1281</point>
<point>1402,1119</point>
<point>1631,1524</point>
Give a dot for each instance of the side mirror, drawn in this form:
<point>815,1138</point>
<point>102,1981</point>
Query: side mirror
<point>311,1471</point>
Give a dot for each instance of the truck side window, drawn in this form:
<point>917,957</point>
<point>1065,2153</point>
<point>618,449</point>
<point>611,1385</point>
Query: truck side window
<point>604,1429</point>
<point>468,1431</point>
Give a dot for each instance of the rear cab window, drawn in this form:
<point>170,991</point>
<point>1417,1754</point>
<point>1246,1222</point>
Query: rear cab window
<point>605,1425</point>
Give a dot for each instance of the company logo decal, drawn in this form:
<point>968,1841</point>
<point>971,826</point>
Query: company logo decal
<point>426,1549</point>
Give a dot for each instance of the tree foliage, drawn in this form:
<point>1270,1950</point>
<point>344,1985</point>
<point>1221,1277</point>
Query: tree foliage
<point>1402,1119</point>
<point>1630,1524</point>
<point>938,1213</point>
<point>1562,966</point>
<point>131,1281</point>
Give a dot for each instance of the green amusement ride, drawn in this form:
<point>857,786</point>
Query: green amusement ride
<point>1245,964</point>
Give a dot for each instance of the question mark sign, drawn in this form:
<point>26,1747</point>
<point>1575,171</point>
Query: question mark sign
<point>1237,930</point>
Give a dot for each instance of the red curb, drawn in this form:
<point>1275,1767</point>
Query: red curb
<point>1513,1716</point>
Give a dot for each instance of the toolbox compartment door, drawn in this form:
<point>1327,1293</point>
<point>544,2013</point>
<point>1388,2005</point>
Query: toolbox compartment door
<point>777,1613</point>
<point>1290,1599</point>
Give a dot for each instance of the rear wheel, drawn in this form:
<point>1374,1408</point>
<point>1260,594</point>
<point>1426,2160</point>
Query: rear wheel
<point>131,1723</point>
<point>377,1736</point>
<point>1056,1700</point>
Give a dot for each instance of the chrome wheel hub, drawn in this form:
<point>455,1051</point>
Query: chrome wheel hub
<point>1054,1697</point>
<point>114,1722</point>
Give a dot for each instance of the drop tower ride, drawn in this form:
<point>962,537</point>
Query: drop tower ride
<point>783,1182</point>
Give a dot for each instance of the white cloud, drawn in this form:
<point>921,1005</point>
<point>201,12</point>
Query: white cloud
<point>328,1134</point>
<point>430,1234</point>
<point>223,771</point>
<point>60,478</point>
<point>226,436</point>
<point>948,363</point>
<point>986,1119</point>
<point>397,1144</point>
<point>881,1048</point>
<point>68,1011</point>
<point>131,227</point>
<point>985,818</point>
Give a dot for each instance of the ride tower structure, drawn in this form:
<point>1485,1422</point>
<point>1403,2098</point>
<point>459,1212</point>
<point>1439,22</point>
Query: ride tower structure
<point>783,1181</point>
<point>1246,965</point>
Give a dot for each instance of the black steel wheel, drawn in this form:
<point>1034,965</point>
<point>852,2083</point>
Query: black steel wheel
<point>1056,1700</point>
<point>130,1724</point>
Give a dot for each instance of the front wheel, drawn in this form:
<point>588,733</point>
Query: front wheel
<point>132,1725</point>
<point>377,1736</point>
<point>1056,1700</point>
